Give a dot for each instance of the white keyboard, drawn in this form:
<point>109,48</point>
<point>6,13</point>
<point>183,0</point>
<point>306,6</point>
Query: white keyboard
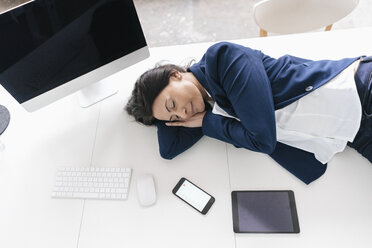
<point>92,183</point>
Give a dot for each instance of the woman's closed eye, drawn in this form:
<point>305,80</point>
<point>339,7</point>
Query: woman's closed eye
<point>172,106</point>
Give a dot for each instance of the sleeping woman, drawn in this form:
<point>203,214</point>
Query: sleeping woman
<point>298,111</point>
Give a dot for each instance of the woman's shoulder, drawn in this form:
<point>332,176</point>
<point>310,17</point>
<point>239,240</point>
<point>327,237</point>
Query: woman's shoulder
<point>226,46</point>
<point>227,50</point>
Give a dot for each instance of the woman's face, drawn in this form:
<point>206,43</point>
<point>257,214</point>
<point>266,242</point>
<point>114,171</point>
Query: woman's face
<point>179,100</point>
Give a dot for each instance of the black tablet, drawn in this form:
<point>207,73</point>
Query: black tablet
<point>269,211</point>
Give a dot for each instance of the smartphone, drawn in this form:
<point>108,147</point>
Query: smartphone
<point>193,195</point>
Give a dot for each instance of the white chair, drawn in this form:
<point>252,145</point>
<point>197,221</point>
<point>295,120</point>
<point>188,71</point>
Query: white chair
<point>295,16</point>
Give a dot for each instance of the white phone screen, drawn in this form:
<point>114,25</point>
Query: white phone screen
<point>193,195</point>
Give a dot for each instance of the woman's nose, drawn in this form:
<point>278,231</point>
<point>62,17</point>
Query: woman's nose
<point>183,113</point>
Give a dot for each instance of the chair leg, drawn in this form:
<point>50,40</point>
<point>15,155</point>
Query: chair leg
<point>328,27</point>
<point>263,33</point>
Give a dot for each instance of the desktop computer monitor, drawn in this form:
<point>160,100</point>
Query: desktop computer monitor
<point>52,48</point>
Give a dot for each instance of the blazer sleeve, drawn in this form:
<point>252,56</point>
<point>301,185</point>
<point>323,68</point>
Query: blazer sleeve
<point>242,75</point>
<point>175,140</point>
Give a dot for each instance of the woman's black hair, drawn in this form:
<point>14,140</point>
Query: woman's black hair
<point>147,87</point>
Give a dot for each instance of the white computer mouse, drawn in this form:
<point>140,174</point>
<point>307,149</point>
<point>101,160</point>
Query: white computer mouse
<point>146,190</point>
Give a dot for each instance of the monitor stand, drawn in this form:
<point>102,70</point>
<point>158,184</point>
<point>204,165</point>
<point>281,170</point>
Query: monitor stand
<point>96,92</point>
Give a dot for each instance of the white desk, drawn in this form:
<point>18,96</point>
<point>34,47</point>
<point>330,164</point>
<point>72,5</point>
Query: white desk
<point>333,211</point>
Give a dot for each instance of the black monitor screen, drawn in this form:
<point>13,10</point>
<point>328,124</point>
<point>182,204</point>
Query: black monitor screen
<point>47,43</point>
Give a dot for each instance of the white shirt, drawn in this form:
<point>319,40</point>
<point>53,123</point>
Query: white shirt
<point>323,121</point>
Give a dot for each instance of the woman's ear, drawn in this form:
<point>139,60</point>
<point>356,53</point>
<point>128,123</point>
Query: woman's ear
<point>176,74</point>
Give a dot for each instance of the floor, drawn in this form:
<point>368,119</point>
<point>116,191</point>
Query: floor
<point>174,22</point>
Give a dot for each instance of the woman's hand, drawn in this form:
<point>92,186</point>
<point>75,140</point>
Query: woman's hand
<point>194,121</point>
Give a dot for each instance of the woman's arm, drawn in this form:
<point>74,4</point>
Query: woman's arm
<point>175,140</point>
<point>239,70</point>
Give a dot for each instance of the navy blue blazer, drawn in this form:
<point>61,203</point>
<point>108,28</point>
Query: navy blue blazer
<point>250,85</point>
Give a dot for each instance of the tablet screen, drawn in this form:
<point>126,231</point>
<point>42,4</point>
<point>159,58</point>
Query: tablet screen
<point>264,212</point>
